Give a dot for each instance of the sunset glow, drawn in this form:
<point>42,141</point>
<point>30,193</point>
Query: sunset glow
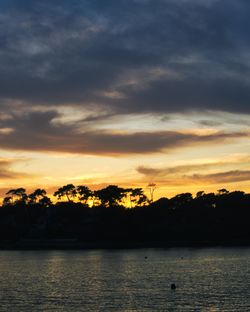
<point>88,98</point>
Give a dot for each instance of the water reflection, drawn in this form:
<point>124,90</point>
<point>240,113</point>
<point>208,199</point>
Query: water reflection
<point>207,280</point>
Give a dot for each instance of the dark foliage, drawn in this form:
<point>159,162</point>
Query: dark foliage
<point>222,218</point>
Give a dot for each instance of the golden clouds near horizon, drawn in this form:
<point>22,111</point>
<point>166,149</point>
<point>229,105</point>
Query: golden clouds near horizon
<point>179,153</point>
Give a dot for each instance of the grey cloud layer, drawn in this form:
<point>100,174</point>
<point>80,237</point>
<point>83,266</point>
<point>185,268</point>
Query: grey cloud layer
<point>38,131</point>
<point>126,56</point>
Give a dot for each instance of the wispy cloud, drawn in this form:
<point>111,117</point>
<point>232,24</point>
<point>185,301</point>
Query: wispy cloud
<point>206,173</point>
<point>37,132</point>
<point>7,173</point>
<point>223,177</point>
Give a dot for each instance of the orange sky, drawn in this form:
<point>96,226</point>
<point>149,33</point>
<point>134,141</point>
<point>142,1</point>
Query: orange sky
<point>208,164</point>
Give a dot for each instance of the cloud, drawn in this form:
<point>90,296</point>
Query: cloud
<point>188,174</point>
<point>185,170</point>
<point>6,172</point>
<point>125,56</point>
<point>223,177</point>
<point>165,172</point>
<point>38,131</point>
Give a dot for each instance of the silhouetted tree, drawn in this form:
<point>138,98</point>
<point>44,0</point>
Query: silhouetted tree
<point>152,187</point>
<point>199,194</point>
<point>45,201</point>
<point>137,197</point>
<point>7,201</point>
<point>111,195</point>
<point>18,195</point>
<point>36,196</point>
<point>84,193</point>
<point>222,191</point>
<point>69,191</point>
<point>181,200</point>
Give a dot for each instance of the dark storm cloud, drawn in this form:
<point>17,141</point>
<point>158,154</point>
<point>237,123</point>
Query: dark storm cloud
<point>41,131</point>
<point>157,56</point>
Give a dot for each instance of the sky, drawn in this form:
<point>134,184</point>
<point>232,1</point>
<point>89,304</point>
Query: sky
<point>125,92</point>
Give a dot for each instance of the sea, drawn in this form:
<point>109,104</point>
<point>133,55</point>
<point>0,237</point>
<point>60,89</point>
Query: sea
<point>205,279</point>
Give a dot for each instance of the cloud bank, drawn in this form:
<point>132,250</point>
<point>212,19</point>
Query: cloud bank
<point>36,132</point>
<point>125,56</point>
<point>120,58</point>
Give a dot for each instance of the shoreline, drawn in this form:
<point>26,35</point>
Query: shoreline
<point>70,244</point>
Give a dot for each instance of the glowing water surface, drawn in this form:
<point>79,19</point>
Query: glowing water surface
<point>214,279</point>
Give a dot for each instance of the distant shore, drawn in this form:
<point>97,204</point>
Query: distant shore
<point>72,244</point>
<point>221,219</point>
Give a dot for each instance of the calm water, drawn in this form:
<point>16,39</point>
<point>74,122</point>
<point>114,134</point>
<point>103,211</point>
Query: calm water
<point>212,280</point>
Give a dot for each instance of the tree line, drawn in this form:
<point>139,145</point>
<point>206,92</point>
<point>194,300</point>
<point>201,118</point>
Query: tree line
<point>109,196</point>
<point>105,216</point>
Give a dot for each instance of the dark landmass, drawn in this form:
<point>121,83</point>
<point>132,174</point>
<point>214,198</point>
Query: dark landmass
<point>205,220</point>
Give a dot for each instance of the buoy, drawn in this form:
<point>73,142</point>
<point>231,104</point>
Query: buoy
<point>173,286</point>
